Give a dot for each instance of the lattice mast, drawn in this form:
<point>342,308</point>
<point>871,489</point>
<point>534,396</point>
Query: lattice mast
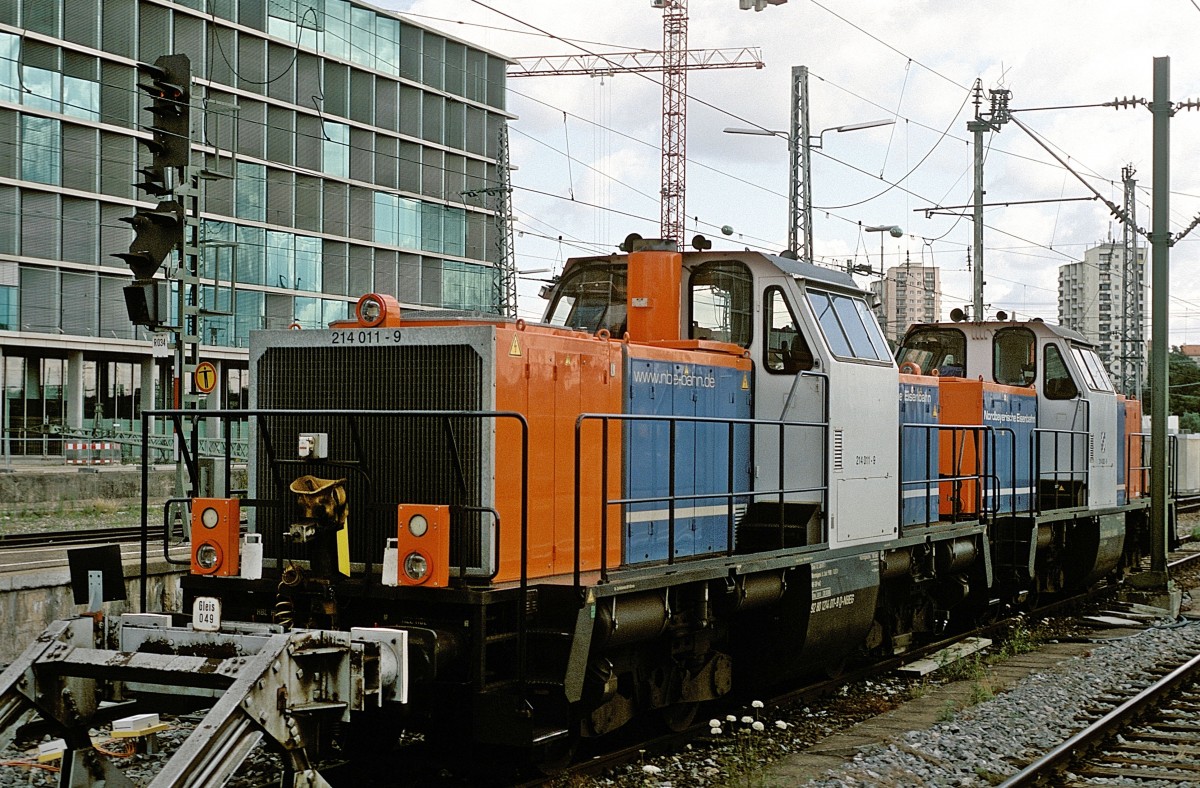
<point>674,120</point>
<point>1133,324</point>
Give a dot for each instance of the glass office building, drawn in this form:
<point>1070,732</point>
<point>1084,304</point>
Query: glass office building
<point>346,151</point>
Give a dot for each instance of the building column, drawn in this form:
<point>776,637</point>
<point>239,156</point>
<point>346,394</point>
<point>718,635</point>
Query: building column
<point>146,396</point>
<point>74,387</point>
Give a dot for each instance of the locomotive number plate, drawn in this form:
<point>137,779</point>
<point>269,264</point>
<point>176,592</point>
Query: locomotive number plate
<point>206,614</point>
<point>364,336</point>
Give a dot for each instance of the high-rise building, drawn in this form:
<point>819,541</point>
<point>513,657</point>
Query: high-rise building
<point>344,150</point>
<point>1091,300</point>
<point>907,294</point>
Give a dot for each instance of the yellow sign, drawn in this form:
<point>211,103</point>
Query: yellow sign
<point>515,348</point>
<point>205,377</point>
<point>745,382</point>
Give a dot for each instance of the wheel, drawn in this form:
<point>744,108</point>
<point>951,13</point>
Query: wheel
<point>679,716</point>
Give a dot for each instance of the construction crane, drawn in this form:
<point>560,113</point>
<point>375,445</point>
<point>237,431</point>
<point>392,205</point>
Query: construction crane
<point>674,61</point>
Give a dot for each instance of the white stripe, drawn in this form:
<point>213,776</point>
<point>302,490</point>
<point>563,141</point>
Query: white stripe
<point>682,512</point>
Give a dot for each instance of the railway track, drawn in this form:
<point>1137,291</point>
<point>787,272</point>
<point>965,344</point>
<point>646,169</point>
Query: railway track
<point>120,533</point>
<point>1152,735</point>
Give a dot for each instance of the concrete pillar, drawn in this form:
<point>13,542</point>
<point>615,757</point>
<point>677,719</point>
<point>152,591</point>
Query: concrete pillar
<point>74,391</point>
<point>146,396</point>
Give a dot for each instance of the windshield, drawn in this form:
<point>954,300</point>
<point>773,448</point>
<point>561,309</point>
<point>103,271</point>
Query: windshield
<point>929,349</point>
<point>591,296</point>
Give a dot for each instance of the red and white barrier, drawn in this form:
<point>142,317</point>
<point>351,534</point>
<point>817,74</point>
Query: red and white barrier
<point>90,452</point>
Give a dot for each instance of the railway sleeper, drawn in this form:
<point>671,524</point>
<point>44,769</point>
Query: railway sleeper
<point>288,690</point>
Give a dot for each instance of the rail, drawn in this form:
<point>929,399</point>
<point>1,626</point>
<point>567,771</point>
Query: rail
<point>1059,757</point>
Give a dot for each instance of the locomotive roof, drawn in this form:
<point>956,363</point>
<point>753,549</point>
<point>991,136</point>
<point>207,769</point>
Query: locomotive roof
<point>787,265</point>
<point>1035,325</point>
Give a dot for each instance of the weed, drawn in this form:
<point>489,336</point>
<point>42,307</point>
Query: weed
<point>969,668</point>
<point>947,713</point>
<point>1020,640</point>
<point>1195,535</point>
<point>992,778</point>
<point>980,691</point>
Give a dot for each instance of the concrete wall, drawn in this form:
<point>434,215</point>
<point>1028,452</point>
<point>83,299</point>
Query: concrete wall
<point>30,601</point>
<point>34,486</point>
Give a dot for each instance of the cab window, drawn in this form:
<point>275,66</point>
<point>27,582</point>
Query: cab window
<point>848,326</point>
<point>927,350</point>
<point>591,297</point>
<point>786,351</point>
<point>1058,383</point>
<point>1095,376</point>
<point>1014,357</point>
<point>721,302</point>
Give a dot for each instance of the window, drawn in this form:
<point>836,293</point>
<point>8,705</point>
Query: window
<point>308,263</point>
<point>1014,357</point>
<point>1058,382</point>
<point>281,258</point>
<point>81,98</point>
<point>1094,374</point>
<point>10,50</point>
<point>848,326</point>
<point>929,349</point>
<point>467,286</point>
<point>721,302</point>
<point>786,351</point>
<point>251,192</point>
<point>591,297</point>
<point>41,150</point>
<point>335,149</point>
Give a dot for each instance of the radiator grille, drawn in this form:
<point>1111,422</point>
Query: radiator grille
<point>407,460</point>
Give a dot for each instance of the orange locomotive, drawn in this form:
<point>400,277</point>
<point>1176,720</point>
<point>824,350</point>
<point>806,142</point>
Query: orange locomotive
<point>692,474</point>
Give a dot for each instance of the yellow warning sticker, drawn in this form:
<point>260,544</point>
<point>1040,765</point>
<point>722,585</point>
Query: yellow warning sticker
<point>567,361</point>
<point>515,348</point>
<point>745,382</point>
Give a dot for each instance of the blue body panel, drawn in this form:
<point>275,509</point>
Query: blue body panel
<point>918,453</point>
<point>663,388</point>
<point>1013,418</point>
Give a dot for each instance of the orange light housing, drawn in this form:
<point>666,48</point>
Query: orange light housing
<point>216,531</point>
<point>376,309</point>
<point>423,545</point>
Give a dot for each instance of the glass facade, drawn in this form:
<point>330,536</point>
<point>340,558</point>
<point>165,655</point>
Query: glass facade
<point>349,147</point>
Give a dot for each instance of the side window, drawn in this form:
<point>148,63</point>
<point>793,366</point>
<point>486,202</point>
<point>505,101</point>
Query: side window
<point>1058,383</point>
<point>1014,357</point>
<point>721,302</point>
<point>786,351</point>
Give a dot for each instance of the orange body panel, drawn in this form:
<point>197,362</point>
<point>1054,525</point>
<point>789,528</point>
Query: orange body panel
<point>553,378</point>
<point>224,535</point>
<point>1135,480</point>
<point>653,292</point>
<point>961,402</point>
<point>433,545</point>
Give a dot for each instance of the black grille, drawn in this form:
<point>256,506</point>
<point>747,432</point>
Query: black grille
<point>406,459</point>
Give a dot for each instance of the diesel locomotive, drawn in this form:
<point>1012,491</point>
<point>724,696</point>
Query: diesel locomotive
<point>702,470</point>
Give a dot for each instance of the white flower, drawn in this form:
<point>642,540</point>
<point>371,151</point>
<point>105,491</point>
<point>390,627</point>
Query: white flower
<point>651,769</point>
<point>747,719</point>
<point>716,731</point>
<point>730,718</point>
<point>758,726</point>
<point>714,723</point>
<point>781,725</point>
<point>758,704</point>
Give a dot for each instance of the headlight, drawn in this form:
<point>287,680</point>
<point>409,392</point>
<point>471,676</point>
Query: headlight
<point>210,517</point>
<point>418,525</point>
<point>206,556</point>
<point>415,566</point>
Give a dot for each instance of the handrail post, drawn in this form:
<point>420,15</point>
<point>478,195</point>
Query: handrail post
<point>671,423</point>
<point>604,425</point>
<point>730,435</point>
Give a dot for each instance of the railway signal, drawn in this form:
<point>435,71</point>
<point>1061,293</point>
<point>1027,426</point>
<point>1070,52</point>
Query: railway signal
<point>169,84</point>
<point>160,230</point>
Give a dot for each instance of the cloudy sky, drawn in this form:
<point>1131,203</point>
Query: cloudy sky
<point>588,148</point>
